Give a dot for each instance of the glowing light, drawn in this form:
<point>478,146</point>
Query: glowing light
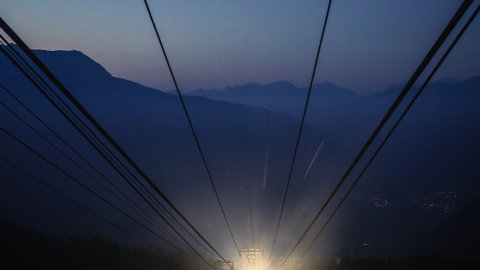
<point>252,259</point>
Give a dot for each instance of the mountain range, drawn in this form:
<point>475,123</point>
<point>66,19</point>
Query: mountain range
<point>248,134</point>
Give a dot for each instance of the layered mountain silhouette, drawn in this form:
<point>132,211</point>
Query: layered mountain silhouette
<point>248,134</point>
<point>340,112</point>
<point>247,148</point>
<point>427,168</point>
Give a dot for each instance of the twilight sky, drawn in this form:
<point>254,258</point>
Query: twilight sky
<point>369,45</point>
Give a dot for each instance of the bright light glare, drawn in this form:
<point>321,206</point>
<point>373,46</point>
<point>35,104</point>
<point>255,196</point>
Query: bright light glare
<point>252,259</point>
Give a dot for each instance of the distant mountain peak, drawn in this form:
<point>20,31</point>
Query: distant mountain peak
<point>249,84</point>
<point>328,84</point>
<point>332,90</point>
<point>72,62</point>
<point>281,83</point>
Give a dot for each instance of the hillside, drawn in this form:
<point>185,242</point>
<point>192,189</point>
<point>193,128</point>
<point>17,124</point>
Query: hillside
<point>248,134</point>
<point>248,148</point>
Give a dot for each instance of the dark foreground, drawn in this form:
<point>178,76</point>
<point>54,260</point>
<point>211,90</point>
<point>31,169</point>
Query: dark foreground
<point>23,248</point>
<point>436,262</point>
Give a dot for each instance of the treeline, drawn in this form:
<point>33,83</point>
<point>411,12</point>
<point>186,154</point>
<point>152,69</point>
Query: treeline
<point>22,248</point>
<point>436,262</point>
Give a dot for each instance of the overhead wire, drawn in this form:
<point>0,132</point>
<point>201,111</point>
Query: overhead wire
<point>387,137</point>
<point>39,80</point>
<point>372,137</point>
<point>76,180</point>
<point>103,155</point>
<point>46,71</point>
<point>64,195</point>
<point>297,143</point>
<point>135,207</point>
<point>202,155</point>
<point>431,53</point>
<point>100,129</point>
<point>90,190</point>
<point>65,110</point>
<point>57,102</point>
<point>26,66</point>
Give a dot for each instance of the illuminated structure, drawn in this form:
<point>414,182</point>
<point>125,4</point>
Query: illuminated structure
<point>252,258</point>
<point>221,265</point>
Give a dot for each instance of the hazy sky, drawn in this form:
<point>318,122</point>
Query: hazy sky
<point>369,45</point>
